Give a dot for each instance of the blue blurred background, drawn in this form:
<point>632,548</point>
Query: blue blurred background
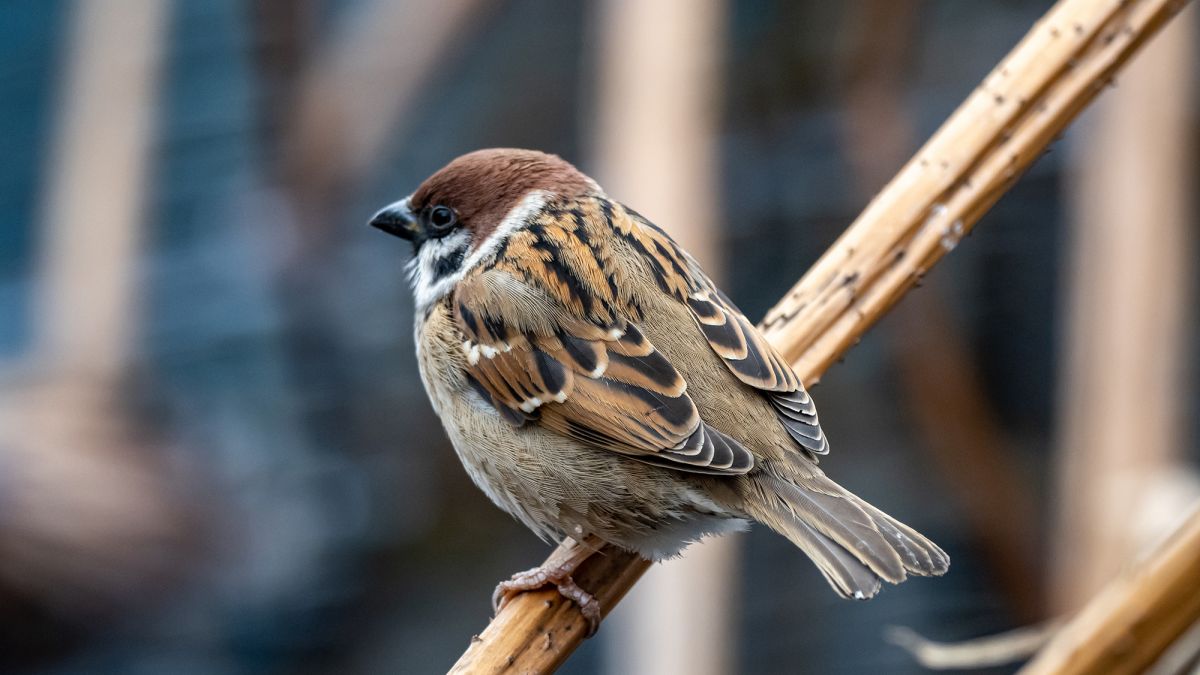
<point>215,452</point>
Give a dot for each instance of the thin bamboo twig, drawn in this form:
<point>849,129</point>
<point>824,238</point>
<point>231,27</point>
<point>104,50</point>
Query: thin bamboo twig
<point>984,652</point>
<point>1134,619</point>
<point>1065,60</point>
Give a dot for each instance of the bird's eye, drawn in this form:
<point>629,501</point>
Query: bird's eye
<point>442,218</point>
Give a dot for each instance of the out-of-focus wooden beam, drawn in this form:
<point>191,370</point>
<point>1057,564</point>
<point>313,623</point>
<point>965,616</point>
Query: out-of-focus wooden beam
<point>657,112</point>
<point>282,40</point>
<point>359,86</point>
<point>88,519</point>
<point>91,216</point>
<point>1128,302</point>
<point>655,145</point>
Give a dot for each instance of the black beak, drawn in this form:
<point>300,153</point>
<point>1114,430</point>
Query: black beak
<point>398,220</point>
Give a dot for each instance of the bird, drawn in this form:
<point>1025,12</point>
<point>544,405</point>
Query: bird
<point>599,387</point>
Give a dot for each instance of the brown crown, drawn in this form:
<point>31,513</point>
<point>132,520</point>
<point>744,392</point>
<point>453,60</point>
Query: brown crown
<point>483,186</point>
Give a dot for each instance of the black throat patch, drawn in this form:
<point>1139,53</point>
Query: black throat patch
<point>449,263</point>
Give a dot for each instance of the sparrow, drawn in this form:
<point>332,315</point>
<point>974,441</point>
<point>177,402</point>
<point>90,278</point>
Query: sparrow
<point>597,385</point>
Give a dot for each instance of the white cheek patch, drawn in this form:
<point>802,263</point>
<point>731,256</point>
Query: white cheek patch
<point>429,287</point>
<point>428,270</point>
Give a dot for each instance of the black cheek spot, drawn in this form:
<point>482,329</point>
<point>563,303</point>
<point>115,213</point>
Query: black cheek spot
<point>449,264</point>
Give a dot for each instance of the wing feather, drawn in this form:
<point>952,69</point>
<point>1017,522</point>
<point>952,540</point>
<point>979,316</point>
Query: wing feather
<point>738,342</point>
<point>551,339</point>
<point>606,385</point>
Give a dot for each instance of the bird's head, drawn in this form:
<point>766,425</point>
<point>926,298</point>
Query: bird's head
<point>470,206</point>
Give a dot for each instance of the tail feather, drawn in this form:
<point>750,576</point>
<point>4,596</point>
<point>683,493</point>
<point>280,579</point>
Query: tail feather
<point>849,577</point>
<point>922,557</point>
<point>854,544</point>
<point>842,520</point>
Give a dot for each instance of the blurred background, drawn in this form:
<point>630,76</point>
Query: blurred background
<point>215,452</point>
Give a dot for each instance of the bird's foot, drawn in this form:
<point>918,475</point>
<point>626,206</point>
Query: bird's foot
<point>556,574</point>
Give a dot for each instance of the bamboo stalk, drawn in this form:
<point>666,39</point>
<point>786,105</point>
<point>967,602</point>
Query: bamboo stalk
<point>1127,626</point>
<point>1065,60</point>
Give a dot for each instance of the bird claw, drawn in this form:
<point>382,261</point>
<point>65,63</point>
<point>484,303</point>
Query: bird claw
<point>588,605</point>
<point>558,576</point>
<point>529,580</point>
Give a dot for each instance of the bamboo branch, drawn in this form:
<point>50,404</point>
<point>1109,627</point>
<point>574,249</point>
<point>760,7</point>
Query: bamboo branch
<point>1067,58</point>
<point>1131,622</point>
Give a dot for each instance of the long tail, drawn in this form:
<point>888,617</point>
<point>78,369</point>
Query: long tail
<point>854,544</point>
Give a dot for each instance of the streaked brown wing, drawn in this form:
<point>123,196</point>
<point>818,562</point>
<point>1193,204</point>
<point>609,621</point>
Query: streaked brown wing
<point>738,342</point>
<point>538,361</point>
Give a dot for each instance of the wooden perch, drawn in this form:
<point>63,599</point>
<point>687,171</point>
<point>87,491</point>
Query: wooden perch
<point>1131,622</point>
<point>1067,58</point>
